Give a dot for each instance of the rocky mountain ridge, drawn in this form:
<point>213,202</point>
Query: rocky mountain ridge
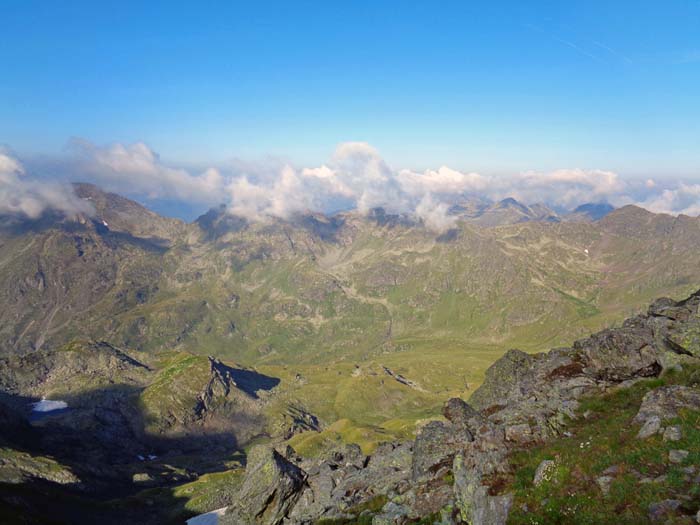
<point>140,280</point>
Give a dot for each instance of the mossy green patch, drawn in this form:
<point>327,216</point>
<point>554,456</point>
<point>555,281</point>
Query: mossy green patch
<point>603,439</point>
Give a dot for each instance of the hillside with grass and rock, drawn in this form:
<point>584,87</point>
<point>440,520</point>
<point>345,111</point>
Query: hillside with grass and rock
<point>296,371</point>
<point>605,431</point>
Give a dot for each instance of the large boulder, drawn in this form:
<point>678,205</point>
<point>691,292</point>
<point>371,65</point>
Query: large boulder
<point>462,415</point>
<point>346,479</point>
<point>437,442</point>
<point>271,488</point>
<point>665,403</point>
<point>617,355</point>
<point>538,393</point>
<point>676,326</point>
<point>503,380</point>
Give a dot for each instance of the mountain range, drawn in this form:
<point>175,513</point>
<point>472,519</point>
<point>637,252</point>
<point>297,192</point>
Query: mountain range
<point>175,347</point>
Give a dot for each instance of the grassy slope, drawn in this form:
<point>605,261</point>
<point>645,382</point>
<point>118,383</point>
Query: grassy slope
<point>603,439</point>
<point>439,313</point>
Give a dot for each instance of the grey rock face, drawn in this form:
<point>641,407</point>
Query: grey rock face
<point>520,433</point>
<point>271,489</point>
<point>604,483</point>
<point>672,433</point>
<point>435,448</point>
<point>476,506</point>
<point>620,354</point>
<point>347,478</point>
<point>462,415</point>
<point>502,380</point>
<point>392,514</point>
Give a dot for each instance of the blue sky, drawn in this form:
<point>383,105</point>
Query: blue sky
<point>489,86</point>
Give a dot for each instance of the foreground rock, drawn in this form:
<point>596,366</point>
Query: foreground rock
<point>269,492</point>
<point>452,467</point>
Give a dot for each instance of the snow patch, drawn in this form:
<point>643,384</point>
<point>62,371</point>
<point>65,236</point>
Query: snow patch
<point>48,405</point>
<point>210,518</point>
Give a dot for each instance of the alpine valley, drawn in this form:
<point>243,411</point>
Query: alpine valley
<point>349,368</point>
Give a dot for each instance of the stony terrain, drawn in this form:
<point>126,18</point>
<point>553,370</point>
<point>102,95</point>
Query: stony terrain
<point>457,470</point>
<point>613,419</point>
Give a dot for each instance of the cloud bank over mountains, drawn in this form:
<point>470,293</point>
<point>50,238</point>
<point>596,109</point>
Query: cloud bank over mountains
<point>356,176</point>
<point>28,197</point>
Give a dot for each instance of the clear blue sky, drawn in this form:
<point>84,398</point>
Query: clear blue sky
<point>489,86</point>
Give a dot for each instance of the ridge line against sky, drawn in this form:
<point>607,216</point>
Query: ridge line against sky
<point>544,101</point>
<point>355,177</point>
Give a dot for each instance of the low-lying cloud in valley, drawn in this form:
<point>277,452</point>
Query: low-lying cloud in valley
<point>356,176</point>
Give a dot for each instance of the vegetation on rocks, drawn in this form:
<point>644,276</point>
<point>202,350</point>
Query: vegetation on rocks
<point>547,436</point>
<point>600,443</point>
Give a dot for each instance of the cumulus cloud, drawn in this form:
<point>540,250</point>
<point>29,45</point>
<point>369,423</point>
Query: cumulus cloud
<point>435,214</point>
<point>358,176</point>
<point>354,177</point>
<point>138,169</point>
<point>565,188</point>
<point>23,196</point>
<point>443,181</point>
<point>684,199</point>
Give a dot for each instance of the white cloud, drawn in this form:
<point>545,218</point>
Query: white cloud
<point>136,168</point>
<point>435,214</point>
<point>684,199</point>
<point>27,197</point>
<point>445,180</point>
<point>566,188</point>
<point>285,197</point>
<point>356,176</point>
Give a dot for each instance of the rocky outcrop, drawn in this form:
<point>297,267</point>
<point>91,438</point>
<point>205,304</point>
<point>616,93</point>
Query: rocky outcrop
<point>271,489</point>
<point>666,402</point>
<point>541,390</point>
<point>453,466</point>
<point>18,467</point>
<point>345,479</point>
<point>203,397</point>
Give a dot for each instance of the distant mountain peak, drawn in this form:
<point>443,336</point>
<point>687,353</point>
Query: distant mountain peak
<point>125,215</point>
<point>595,210</point>
<point>511,202</point>
<point>217,221</point>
